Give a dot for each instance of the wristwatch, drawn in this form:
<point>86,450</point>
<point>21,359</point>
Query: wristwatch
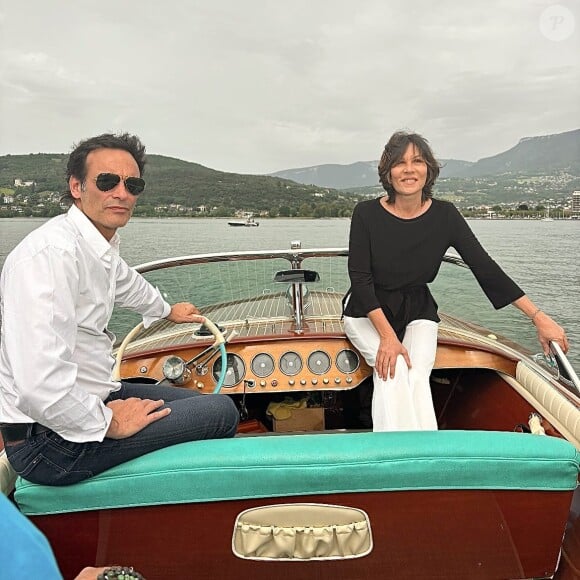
<point>120,573</point>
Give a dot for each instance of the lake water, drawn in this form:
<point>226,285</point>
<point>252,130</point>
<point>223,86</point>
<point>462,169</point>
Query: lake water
<point>542,257</point>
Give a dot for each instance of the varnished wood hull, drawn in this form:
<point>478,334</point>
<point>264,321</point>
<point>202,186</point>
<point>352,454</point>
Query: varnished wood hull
<point>452,535</point>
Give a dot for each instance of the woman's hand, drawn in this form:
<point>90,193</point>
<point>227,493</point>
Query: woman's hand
<point>386,360</point>
<point>390,346</point>
<point>548,331</point>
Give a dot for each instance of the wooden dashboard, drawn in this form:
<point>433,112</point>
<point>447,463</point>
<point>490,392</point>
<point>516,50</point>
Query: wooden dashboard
<point>276,365</point>
<point>288,364</point>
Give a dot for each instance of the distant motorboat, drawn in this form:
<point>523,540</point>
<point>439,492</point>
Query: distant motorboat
<point>248,223</point>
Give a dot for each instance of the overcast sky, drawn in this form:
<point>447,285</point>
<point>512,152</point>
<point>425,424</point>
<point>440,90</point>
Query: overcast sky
<point>256,86</point>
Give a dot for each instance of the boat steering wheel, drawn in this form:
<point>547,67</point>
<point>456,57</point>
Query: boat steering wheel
<point>219,343</point>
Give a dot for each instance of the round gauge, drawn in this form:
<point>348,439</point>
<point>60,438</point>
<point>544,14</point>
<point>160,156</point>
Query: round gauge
<point>347,361</point>
<point>235,371</point>
<point>319,362</point>
<point>263,365</point>
<point>290,363</point>
<point>174,368</point>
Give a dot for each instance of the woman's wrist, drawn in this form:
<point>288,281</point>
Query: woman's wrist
<point>535,314</point>
<point>387,335</point>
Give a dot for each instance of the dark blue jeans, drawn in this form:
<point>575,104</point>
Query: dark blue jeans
<point>49,459</point>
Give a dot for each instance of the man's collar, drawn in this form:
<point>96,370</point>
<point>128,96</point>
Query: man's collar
<point>91,234</point>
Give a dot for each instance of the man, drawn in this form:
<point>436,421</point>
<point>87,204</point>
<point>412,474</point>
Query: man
<point>62,417</point>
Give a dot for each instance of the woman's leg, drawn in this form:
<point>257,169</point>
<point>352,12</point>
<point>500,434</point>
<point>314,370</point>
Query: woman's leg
<point>420,340</point>
<point>393,405</point>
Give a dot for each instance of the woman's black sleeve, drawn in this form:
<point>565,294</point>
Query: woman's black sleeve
<point>499,288</point>
<point>359,263</point>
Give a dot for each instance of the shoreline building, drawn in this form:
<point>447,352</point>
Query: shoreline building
<point>576,205</point>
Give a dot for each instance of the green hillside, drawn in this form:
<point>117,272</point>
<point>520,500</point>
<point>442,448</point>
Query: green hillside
<point>173,181</point>
<point>46,169</point>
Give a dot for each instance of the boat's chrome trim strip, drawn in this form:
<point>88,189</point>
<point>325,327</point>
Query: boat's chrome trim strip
<point>290,255</point>
<point>294,256</point>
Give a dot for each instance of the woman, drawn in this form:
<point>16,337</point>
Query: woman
<point>397,244</point>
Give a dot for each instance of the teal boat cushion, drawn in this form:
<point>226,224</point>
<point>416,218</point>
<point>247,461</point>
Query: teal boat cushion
<point>312,464</point>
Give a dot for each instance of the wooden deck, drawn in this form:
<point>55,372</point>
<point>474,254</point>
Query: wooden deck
<point>271,315</point>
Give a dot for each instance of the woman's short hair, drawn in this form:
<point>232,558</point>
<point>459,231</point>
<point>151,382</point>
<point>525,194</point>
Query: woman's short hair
<point>395,150</point>
<point>77,161</point>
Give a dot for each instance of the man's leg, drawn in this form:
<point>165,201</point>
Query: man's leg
<point>49,459</point>
<point>193,416</point>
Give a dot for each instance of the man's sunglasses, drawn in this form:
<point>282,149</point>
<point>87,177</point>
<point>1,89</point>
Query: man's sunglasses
<point>108,181</point>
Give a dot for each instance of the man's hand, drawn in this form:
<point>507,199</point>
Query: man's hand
<point>184,312</point>
<point>90,573</point>
<point>132,415</point>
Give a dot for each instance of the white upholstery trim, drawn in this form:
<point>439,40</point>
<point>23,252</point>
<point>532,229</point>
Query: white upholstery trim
<point>548,401</point>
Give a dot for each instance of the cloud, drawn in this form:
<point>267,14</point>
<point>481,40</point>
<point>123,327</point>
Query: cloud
<point>256,86</point>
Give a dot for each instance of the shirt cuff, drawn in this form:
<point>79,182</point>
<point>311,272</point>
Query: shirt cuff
<point>149,319</point>
<point>108,418</point>
<point>87,433</point>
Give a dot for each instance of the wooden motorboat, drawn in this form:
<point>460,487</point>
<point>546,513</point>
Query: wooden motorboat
<point>307,490</point>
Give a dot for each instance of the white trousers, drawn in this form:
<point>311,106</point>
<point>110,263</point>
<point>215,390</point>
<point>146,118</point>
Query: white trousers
<point>403,403</point>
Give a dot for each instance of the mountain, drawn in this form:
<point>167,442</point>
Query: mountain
<point>173,181</point>
<point>532,155</point>
<point>453,167</point>
<point>359,174</point>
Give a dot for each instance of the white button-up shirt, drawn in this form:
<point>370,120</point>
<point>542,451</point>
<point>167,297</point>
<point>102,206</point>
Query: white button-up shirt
<point>57,290</point>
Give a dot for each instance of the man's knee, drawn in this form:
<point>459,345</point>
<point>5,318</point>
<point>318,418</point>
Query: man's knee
<point>226,411</point>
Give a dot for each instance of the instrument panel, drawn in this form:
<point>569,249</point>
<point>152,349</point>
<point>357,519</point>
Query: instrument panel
<point>286,365</point>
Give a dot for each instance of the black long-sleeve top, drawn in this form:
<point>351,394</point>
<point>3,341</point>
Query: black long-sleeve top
<point>391,261</point>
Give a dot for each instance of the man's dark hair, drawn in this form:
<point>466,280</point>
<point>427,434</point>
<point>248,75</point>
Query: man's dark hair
<point>77,161</point>
<point>395,150</point>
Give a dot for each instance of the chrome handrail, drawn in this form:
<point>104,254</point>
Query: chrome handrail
<point>563,362</point>
<point>295,257</point>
